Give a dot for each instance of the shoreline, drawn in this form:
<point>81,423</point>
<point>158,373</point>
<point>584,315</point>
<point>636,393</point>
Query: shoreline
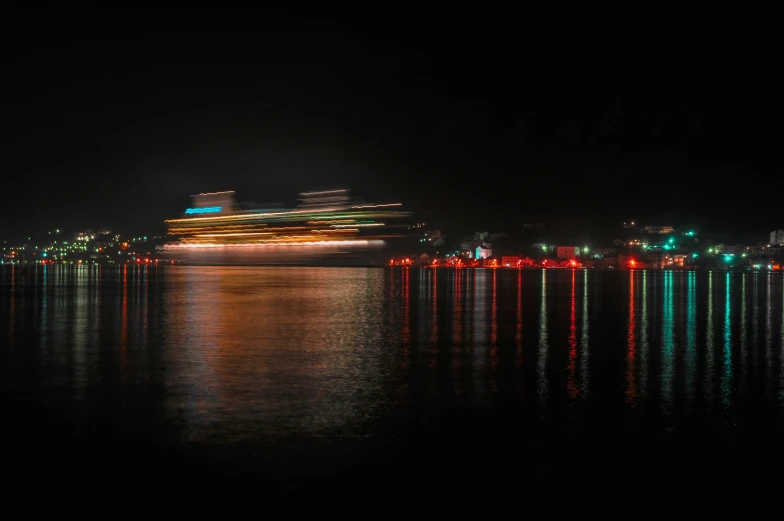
<point>167,265</point>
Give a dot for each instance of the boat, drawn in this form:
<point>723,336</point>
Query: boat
<point>325,228</point>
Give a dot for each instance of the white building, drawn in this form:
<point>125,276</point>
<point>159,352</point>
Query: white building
<point>777,237</point>
<point>484,251</point>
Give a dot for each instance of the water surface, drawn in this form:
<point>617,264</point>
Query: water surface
<point>299,372</point>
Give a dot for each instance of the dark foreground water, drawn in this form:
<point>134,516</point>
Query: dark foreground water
<point>315,377</point>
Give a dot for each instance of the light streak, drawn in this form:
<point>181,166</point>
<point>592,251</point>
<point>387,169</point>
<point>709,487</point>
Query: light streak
<point>241,234</point>
<point>245,217</point>
<point>362,225</point>
<point>324,192</point>
<point>260,245</point>
<point>377,205</point>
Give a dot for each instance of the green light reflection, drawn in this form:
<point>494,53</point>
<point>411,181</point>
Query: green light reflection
<point>726,362</point>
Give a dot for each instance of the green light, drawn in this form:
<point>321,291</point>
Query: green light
<point>710,250</point>
<point>666,246</point>
<point>743,255</point>
<point>585,249</point>
<point>544,248</point>
<point>694,255</point>
<point>672,240</point>
<point>690,234</point>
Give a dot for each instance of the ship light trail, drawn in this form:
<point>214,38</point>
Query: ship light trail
<point>359,225</point>
<point>325,223</point>
<point>273,244</point>
<point>377,205</point>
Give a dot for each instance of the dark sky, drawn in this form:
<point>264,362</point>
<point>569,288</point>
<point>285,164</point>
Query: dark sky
<point>115,117</point>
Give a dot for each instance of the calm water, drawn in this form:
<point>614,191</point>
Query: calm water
<point>295,373</point>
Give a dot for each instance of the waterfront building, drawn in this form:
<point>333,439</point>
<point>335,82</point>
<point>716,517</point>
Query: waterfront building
<point>568,252</point>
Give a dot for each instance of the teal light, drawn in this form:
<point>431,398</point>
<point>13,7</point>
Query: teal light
<point>672,240</point>
<point>667,246</point>
<point>694,255</point>
<point>43,254</point>
<point>690,234</point>
<point>209,209</point>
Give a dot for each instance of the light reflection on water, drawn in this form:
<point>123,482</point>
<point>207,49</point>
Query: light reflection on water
<point>223,356</point>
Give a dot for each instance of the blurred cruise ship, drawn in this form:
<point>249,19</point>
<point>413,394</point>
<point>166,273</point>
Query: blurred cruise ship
<point>327,227</point>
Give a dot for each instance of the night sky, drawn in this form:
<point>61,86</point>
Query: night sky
<point>487,122</point>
